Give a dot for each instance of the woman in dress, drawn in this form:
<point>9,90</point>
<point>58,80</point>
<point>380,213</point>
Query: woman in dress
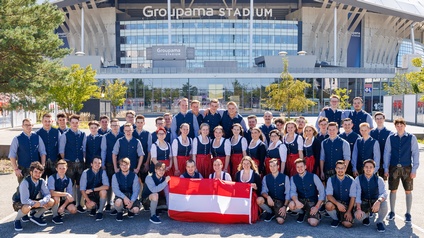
<point>202,151</point>
<point>248,173</point>
<point>218,173</point>
<point>181,149</point>
<point>312,148</point>
<point>238,147</point>
<point>257,149</point>
<point>161,152</point>
<point>294,144</point>
<point>276,150</point>
<point>221,147</point>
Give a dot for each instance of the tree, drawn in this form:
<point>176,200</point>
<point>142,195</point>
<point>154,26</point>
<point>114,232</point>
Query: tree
<point>78,86</point>
<point>400,84</point>
<point>417,78</point>
<point>29,51</point>
<point>289,93</point>
<point>115,92</point>
<point>189,90</point>
<point>343,93</point>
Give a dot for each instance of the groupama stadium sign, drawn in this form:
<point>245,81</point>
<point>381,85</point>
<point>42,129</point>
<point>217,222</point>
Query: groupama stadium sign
<point>149,11</point>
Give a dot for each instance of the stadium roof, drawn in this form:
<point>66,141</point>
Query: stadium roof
<point>407,9</point>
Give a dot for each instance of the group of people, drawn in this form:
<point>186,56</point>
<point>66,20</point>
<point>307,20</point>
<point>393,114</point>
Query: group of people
<point>292,166</point>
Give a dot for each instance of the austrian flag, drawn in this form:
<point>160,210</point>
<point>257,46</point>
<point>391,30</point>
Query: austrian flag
<point>209,200</point>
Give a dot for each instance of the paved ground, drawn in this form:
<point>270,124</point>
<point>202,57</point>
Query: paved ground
<point>81,225</point>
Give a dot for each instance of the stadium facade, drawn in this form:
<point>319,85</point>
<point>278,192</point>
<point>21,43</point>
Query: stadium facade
<point>230,49</point>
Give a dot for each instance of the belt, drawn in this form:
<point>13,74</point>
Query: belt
<point>399,166</point>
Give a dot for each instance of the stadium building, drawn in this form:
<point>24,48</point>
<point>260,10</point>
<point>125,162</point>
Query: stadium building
<point>231,50</point>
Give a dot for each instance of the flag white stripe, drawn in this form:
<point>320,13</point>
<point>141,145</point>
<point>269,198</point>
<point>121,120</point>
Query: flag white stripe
<point>209,203</point>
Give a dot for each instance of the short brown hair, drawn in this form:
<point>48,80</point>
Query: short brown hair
<point>114,120</point>
<point>94,123</point>
<point>214,101</point>
<point>399,120</point>
<point>128,125</point>
<point>26,120</point>
<point>159,119</point>
<point>280,120</point>
<point>321,119</point>
<point>47,115</point>
<point>333,124</point>
<point>335,96</point>
<point>125,160</point>
<point>61,161</point>
<point>252,117</point>
<point>379,114</point>
<point>74,116</point>
<point>61,115</point>
<point>364,124</point>
<point>371,161</point>
<point>347,120</point>
<point>104,117</point>
<point>194,102</point>
<point>131,112</point>
<point>298,161</point>
<point>36,165</point>
<point>358,98</point>
<point>139,117</point>
<point>182,99</point>
<point>159,165</point>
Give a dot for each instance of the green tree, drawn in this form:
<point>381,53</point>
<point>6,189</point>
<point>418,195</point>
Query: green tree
<point>289,93</point>
<point>188,90</point>
<point>343,93</point>
<point>29,51</point>
<point>115,92</point>
<point>400,84</point>
<point>78,86</point>
<point>417,78</point>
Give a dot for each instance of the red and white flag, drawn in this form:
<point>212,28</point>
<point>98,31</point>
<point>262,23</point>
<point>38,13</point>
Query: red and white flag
<point>209,200</point>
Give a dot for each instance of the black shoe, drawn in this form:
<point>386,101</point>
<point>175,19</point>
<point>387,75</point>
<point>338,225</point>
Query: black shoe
<point>107,208</point>
<point>113,212</point>
<point>92,212</point>
<point>147,209</point>
<point>80,209</point>
<point>335,223</point>
<point>25,218</point>
<point>380,227</point>
<point>294,213</point>
<point>366,221</point>
<point>130,214</point>
<point>300,217</point>
<point>18,225</point>
<point>120,216</point>
<point>57,220</point>
<point>325,213</point>
<point>32,213</point>
<point>38,220</point>
<point>391,216</point>
<point>155,220</point>
<point>99,216</point>
<point>407,218</point>
<point>269,217</point>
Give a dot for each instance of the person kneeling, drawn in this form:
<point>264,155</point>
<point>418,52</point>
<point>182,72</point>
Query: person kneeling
<point>341,193</point>
<point>371,196</point>
<point>29,189</point>
<point>94,185</point>
<point>191,170</point>
<point>275,193</point>
<point>307,193</point>
<point>126,187</point>
<point>156,185</point>
<point>60,187</point>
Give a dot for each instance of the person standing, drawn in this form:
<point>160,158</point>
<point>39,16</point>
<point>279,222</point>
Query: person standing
<point>72,150</point>
<point>238,147</point>
<point>221,148</point>
<point>184,116</point>
<point>371,196</point>
<point>108,142</point>
<point>62,121</point>
<point>312,149</point>
<point>276,150</point>
<point>161,152</point>
<point>380,133</point>
<point>93,143</point>
<point>104,125</point>
<point>129,118</point>
<point>195,109</point>
<point>251,122</point>
<point>350,136</point>
<point>50,137</point>
<point>230,117</point>
<point>294,143</point>
<point>30,190</point>
<point>358,115</point>
<point>146,142</point>
<point>257,149</point>
<point>202,150</point>
<point>332,113</point>
<point>128,147</point>
<point>301,122</point>
<point>160,123</point>
<point>213,117</point>
<point>365,148</point>
<point>401,161</point>
<point>26,148</point>
<point>268,126</point>
<point>333,149</point>
<point>181,149</point>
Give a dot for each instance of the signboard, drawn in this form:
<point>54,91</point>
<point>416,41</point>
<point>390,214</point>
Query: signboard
<point>168,52</point>
<point>368,87</point>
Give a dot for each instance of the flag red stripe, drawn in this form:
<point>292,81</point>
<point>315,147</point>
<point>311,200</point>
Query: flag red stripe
<point>209,187</point>
<point>208,217</point>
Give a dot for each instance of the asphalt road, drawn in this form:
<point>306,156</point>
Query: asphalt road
<point>82,225</point>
